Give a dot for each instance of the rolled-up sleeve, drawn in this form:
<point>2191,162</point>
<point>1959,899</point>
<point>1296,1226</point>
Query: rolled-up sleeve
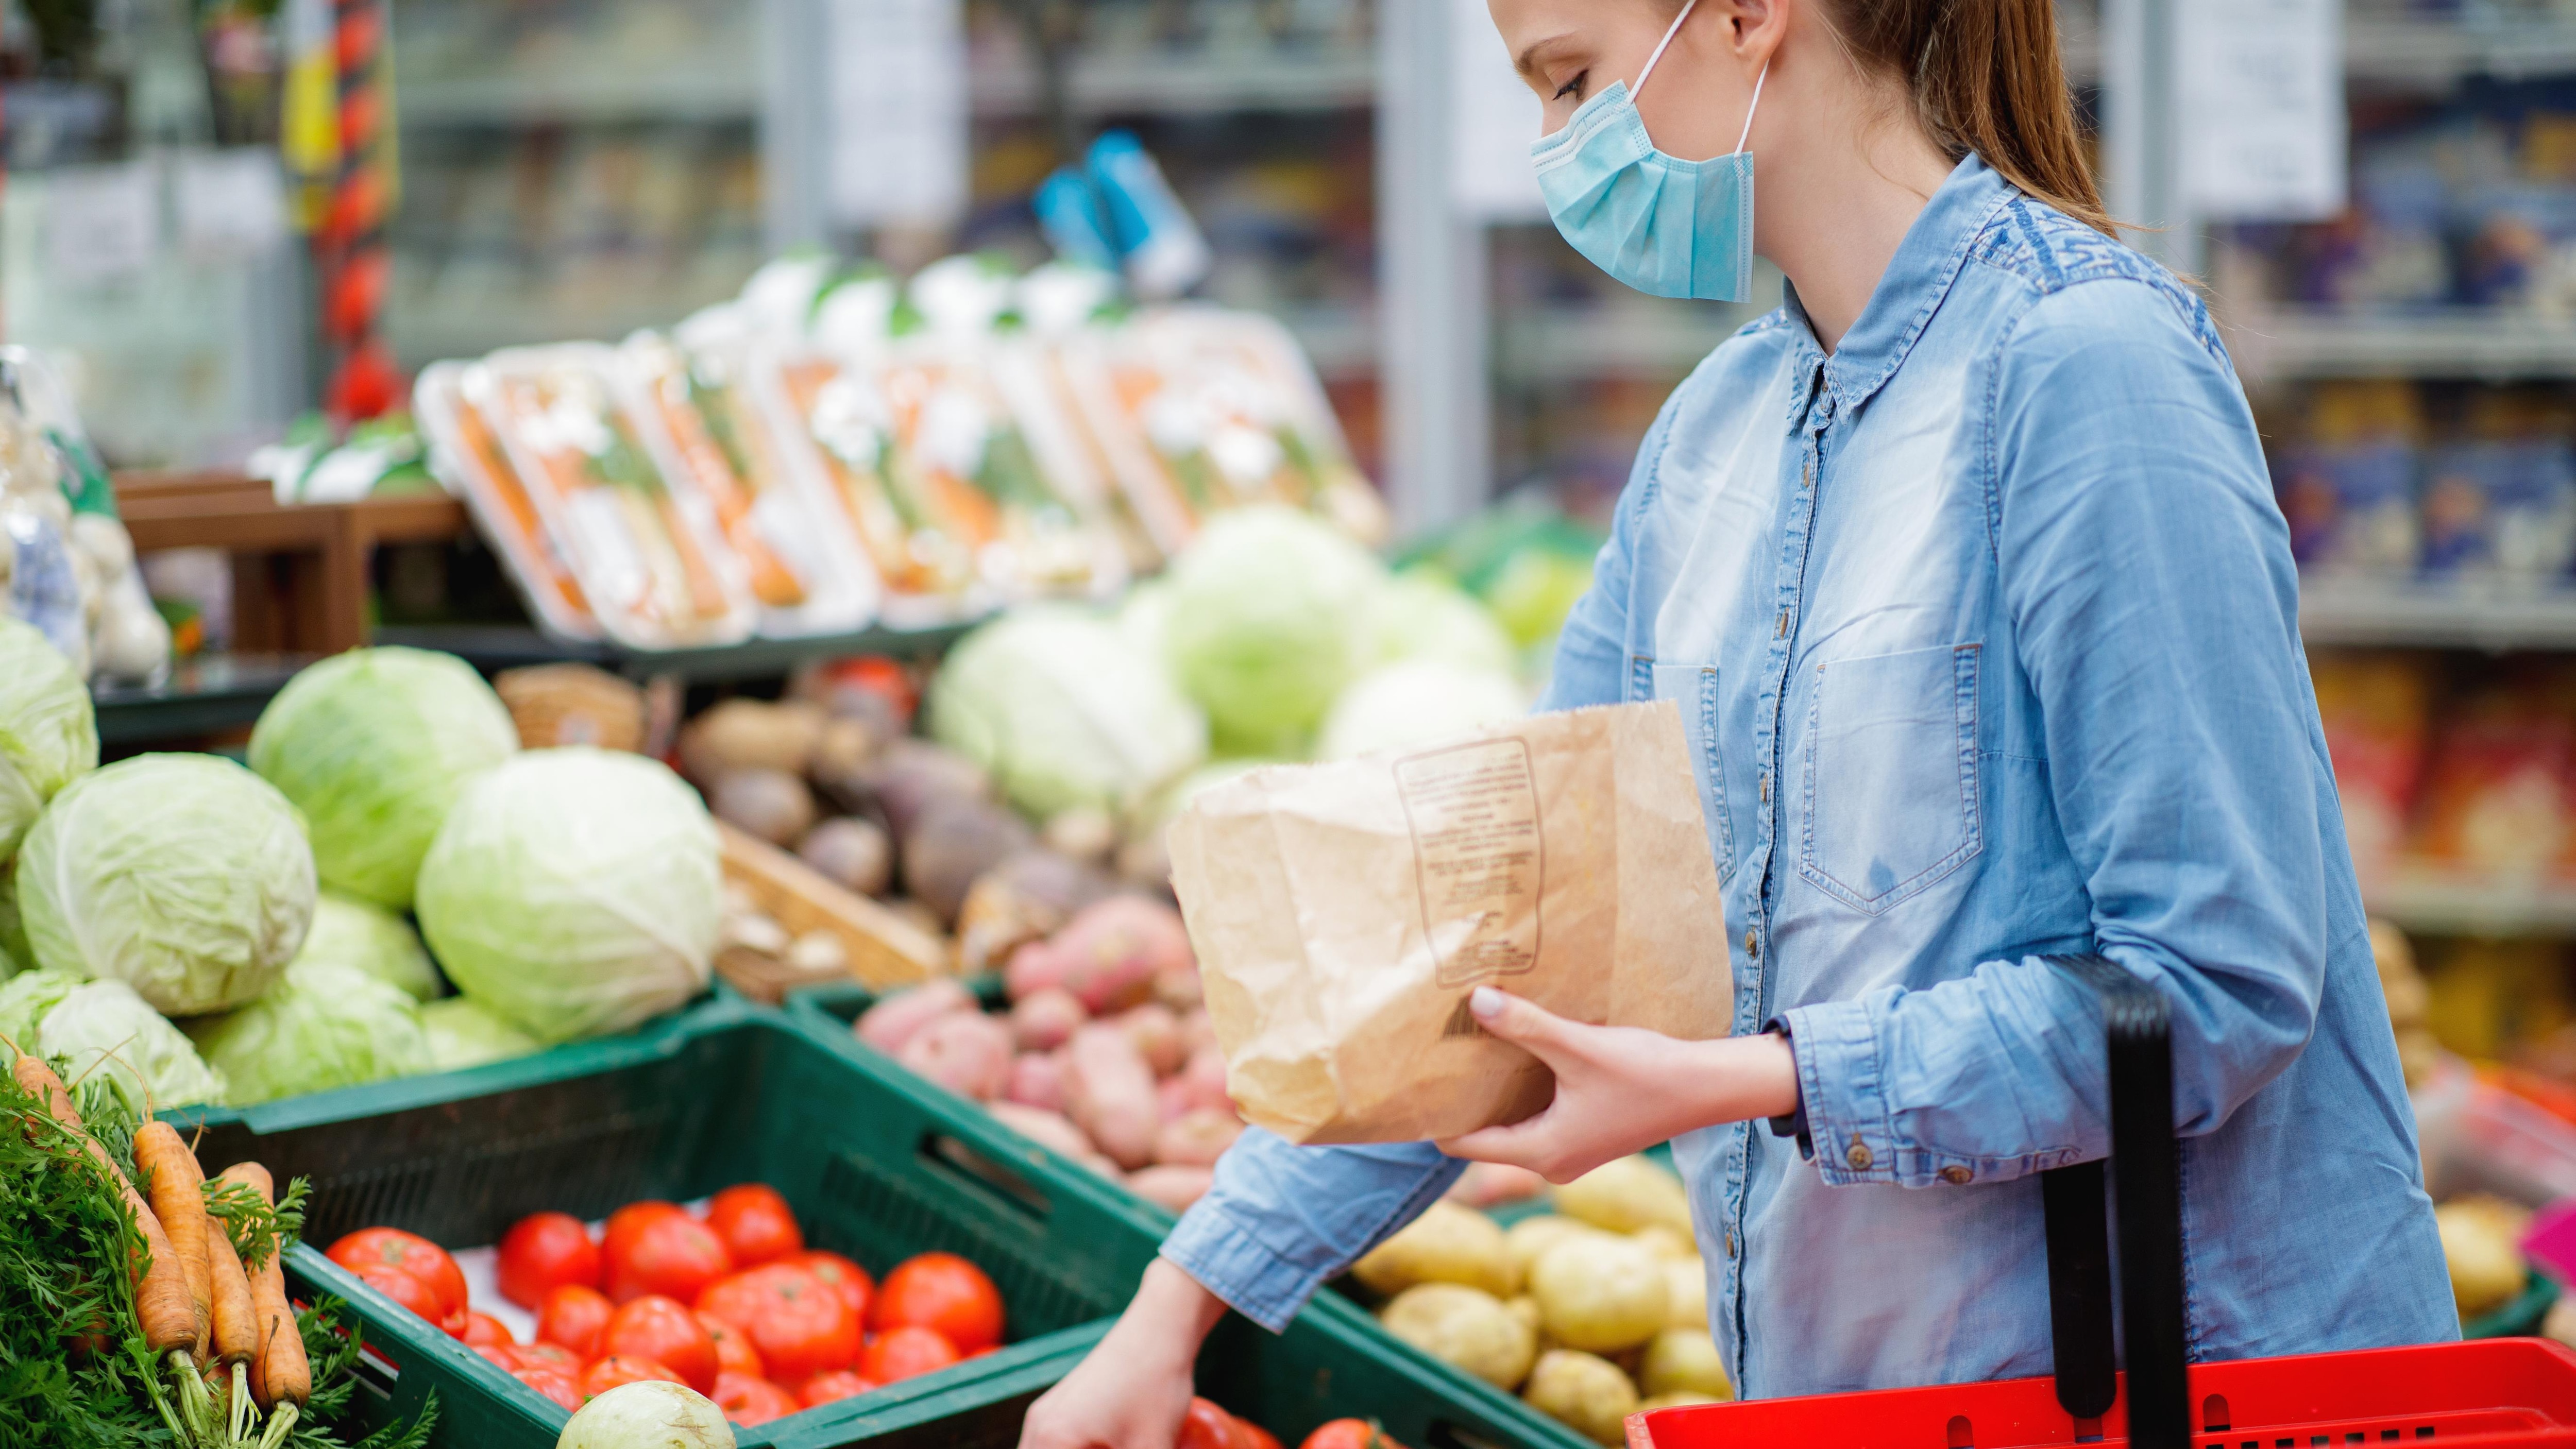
<point>2154,603</point>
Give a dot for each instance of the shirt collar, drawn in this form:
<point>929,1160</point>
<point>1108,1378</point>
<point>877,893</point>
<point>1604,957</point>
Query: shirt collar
<point>1917,278</point>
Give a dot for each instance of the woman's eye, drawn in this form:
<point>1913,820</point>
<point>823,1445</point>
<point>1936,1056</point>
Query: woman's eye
<point>1573,87</point>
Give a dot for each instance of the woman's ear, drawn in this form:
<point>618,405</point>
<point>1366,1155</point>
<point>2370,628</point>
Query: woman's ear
<point>1755,28</point>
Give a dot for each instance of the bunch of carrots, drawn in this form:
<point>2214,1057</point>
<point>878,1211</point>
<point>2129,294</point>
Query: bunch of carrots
<point>194,1321</point>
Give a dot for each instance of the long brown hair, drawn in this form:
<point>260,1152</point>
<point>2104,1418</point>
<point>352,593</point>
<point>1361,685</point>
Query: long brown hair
<point>1985,77</point>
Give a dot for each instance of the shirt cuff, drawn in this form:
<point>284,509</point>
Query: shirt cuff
<point>1841,1088</point>
<point>1224,1253</point>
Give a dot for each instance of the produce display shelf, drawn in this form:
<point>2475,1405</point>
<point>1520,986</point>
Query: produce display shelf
<point>2406,612</point>
<point>505,647</point>
<point>2287,343</point>
<point>1189,81</point>
<point>710,92</point>
<point>2439,54</point>
<point>2442,904</point>
<point>206,695</point>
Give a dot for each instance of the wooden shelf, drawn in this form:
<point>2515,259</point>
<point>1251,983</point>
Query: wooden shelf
<point>2410,613</point>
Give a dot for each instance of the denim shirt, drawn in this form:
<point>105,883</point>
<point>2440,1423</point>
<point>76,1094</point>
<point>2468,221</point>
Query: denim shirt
<point>1984,631</point>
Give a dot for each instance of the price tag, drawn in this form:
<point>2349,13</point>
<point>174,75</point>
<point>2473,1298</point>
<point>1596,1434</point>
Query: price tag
<point>897,111</point>
<point>2261,120</point>
<point>231,203</point>
<point>102,223</point>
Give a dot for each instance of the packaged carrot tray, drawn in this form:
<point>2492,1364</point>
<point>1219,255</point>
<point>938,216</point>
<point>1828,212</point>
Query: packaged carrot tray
<point>469,460</point>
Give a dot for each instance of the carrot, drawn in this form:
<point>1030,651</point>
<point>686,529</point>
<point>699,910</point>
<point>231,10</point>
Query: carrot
<point>171,1175</point>
<point>236,1323</point>
<point>283,1377</point>
<point>161,1299</point>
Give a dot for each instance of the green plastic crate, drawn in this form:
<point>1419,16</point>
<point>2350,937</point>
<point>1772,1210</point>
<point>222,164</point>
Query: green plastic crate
<point>877,1165</point>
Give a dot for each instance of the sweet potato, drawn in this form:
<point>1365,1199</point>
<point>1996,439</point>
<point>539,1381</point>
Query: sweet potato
<point>967,1052</point>
<point>893,1021</point>
<point>1157,1035</point>
<point>1034,967</point>
<point>1046,1020</point>
<point>1037,1080</point>
<point>1051,1130</point>
<point>1109,1093</point>
<point>1113,950</point>
<point>1198,1139</point>
<point>1173,1187</point>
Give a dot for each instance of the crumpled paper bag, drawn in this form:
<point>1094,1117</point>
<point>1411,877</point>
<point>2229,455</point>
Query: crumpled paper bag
<point>1342,913</point>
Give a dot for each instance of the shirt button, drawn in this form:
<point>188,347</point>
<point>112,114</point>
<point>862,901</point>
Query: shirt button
<point>1956,1176</point>
<point>1766,787</point>
<point>1752,945</point>
<point>1858,1157</point>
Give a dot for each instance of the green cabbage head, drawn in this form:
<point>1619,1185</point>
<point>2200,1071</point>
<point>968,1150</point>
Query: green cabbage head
<point>1418,702</point>
<point>372,939</point>
<point>574,892</point>
<point>102,1027</point>
<point>1266,624</point>
<point>1421,615</point>
<point>184,876</point>
<point>374,746</point>
<point>323,1027</point>
<point>48,733</point>
<point>1063,711</point>
<point>462,1034</point>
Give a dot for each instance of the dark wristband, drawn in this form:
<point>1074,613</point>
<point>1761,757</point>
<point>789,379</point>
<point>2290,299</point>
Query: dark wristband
<point>1792,1123</point>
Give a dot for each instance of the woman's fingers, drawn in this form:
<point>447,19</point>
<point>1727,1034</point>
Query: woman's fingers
<point>1534,1029</point>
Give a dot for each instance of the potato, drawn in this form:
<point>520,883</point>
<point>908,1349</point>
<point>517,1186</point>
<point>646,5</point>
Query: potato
<point>967,1052</point>
<point>1447,1244</point>
<point>856,855</point>
<point>771,804</point>
<point>1157,1035</point>
<point>1171,1186</point>
<point>1109,1092</point>
<point>1033,968</point>
<point>1114,949</point>
<point>1625,1195</point>
<point>1686,1293</point>
<point>1684,1359</point>
<point>2487,1270</point>
<point>1465,1327</point>
<point>1532,1236</point>
<point>1677,1399</point>
<point>1045,1020</point>
<point>894,1020</point>
<point>1525,1308</point>
<point>1586,1394</point>
<point>1037,1080</point>
<point>1600,1294</point>
<point>1202,1079</point>
<point>748,734</point>
<point>1196,1138</point>
<point>1047,1129</point>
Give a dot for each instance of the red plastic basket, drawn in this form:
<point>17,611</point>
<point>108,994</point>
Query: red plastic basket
<point>2499,1393</point>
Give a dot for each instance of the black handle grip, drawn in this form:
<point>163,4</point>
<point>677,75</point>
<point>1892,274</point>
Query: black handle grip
<point>2139,1029</point>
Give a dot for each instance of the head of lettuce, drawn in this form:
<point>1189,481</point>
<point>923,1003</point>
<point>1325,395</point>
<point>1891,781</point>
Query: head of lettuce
<point>48,734</point>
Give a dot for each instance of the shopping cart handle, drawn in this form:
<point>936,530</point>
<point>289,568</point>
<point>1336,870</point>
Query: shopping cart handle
<point>2139,1027</point>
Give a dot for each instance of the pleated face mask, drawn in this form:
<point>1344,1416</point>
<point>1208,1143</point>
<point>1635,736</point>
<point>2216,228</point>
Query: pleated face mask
<point>1667,227</point>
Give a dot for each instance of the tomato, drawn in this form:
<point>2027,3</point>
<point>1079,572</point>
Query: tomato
<point>944,1292</point>
<point>905,1352</point>
<point>548,1355</point>
<point>543,1251</point>
<point>852,1281</point>
<point>734,1353</point>
<point>1209,1427</point>
<point>559,1385</point>
<point>672,1254</point>
<point>411,1253</point>
<point>574,1316</point>
<point>665,1331</point>
<point>483,1328</point>
<point>1349,1434</point>
<point>504,1354</point>
<point>748,1400</point>
<point>1254,1436</point>
<point>617,1369</point>
<point>834,1386</point>
<point>402,1288</point>
<point>801,1326</point>
<point>756,1224</point>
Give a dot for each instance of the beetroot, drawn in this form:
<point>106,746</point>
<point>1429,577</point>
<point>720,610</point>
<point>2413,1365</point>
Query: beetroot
<point>893,1021</point>
<point>1046,1020</point>
<point>1114,949</point>
<point>967,1052</point>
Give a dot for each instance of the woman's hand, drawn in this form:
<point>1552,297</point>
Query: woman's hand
<point>1622,1089</point>
<point>1131,1391</point>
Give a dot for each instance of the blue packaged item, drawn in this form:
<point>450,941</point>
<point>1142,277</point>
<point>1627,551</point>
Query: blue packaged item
<point>2351,506</point>
<point>1069,214</point>
<point>2502,510</point>
<point>1119,210</point>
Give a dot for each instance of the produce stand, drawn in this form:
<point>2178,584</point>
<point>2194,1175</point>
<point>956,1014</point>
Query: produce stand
<point>200,697</point>
<point>492,648</point>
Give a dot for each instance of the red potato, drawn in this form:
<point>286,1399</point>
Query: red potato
<point>1172,1100</point>
<point>1198,1139</point>
<point>1037,1080</point>
<point>896,1019</point>
<point>1110,1094</point>
<point>1198,1029</point>
<point>1051,1130</point>
<point>1033,968</point>
<point>1204,1076</point>
<point>1172,1187</point>
<point>1157,1035</point>
<point>967,1052</point>
<point>1180,988</point>
<point>1045,1020</point>
<point>1113,950</point>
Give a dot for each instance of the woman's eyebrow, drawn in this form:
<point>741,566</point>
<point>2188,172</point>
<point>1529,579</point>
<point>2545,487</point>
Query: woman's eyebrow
<point>1527,62</point>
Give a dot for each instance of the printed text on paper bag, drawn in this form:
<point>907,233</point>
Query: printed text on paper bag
<point>1479,858</point>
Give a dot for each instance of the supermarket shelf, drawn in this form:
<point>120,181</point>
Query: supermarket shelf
<point>1181,82</point>
<point>707,94</point>
<point>1339,339</point>
<point>207,695</point>
<point>2436,54</point>
<point>501,647</point>
<point>1560,344</point>
<point>424,332</point>
<point>2288,343</point>
<point>2447,905</point>
<point>2435,616</point>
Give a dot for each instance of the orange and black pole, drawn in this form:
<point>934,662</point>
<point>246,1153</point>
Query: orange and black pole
<point>356,261</point>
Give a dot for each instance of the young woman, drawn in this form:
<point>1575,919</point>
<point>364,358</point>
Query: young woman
<point>1964,569</point>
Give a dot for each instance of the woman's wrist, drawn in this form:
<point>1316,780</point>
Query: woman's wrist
<point>1172,1314</point>
<point>1748,1078</point>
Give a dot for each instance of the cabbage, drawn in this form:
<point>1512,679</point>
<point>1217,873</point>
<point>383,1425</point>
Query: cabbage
<point>574,891</point>
<point>13,927</point>
<point>370,939</point>
<point>1062,711</point>
<point>1416,702</point>
<point>27,997</point>
<point>373,746</point>
<point>1535,589</point>
<point>1264,625</point>
<point>324,1026</point>
<point>462,1034</point>
<point>184,876</point>
<point>48,733</point>
<point>102,1026</point>
<point>648,1414</point>
<point>1421,616</point>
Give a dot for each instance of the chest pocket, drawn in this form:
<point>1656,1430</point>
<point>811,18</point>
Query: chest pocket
<point>1694,688</point>
<point>1891,775</point>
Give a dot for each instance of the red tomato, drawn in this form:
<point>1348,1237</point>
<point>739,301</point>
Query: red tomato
<point>402,1288</point>
<point>559,1385</point>
<point>905,1352</point>
<point>411,1253</point>
<point>1209,1427</point>
<point>574,1317</point>
<point>756,1224</point>
<point>617,1369</point>
<point>944,1292</point>
<point>624,1223</point>
<point>1349,1434</point>
<point>748,1400</point>
<point>1255,1436</point>
<point>543,1251</point>
<point>483,1328</point>
<point>801,1326</point>
<point>847,1278</point>
<point>504,1354</point>
<point>672,1254</point>
<point>665,1331</point>
<point>548,1355</point>
<point>734,1353</point>
<point>834,1386</point>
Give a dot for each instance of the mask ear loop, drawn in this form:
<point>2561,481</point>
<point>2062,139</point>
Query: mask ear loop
<point>1755,106</point>
<point>1687,7</point>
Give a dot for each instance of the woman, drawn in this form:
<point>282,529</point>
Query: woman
<point>1965,571</point>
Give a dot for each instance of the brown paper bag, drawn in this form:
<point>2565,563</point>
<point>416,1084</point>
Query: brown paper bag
<point>1343,912</point>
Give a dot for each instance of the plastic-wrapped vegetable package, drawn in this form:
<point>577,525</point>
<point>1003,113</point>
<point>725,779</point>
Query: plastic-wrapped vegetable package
<point>52,475</point>
<point>467,456</point>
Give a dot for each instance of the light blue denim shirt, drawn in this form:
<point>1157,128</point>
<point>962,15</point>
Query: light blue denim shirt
<point>1985,632</point>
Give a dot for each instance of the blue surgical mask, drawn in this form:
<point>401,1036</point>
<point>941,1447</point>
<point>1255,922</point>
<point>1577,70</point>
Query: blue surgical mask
<point>1666,227</point>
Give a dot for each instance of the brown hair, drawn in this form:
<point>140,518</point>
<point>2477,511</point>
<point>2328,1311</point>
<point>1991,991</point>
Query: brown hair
<point>1985,77</point>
